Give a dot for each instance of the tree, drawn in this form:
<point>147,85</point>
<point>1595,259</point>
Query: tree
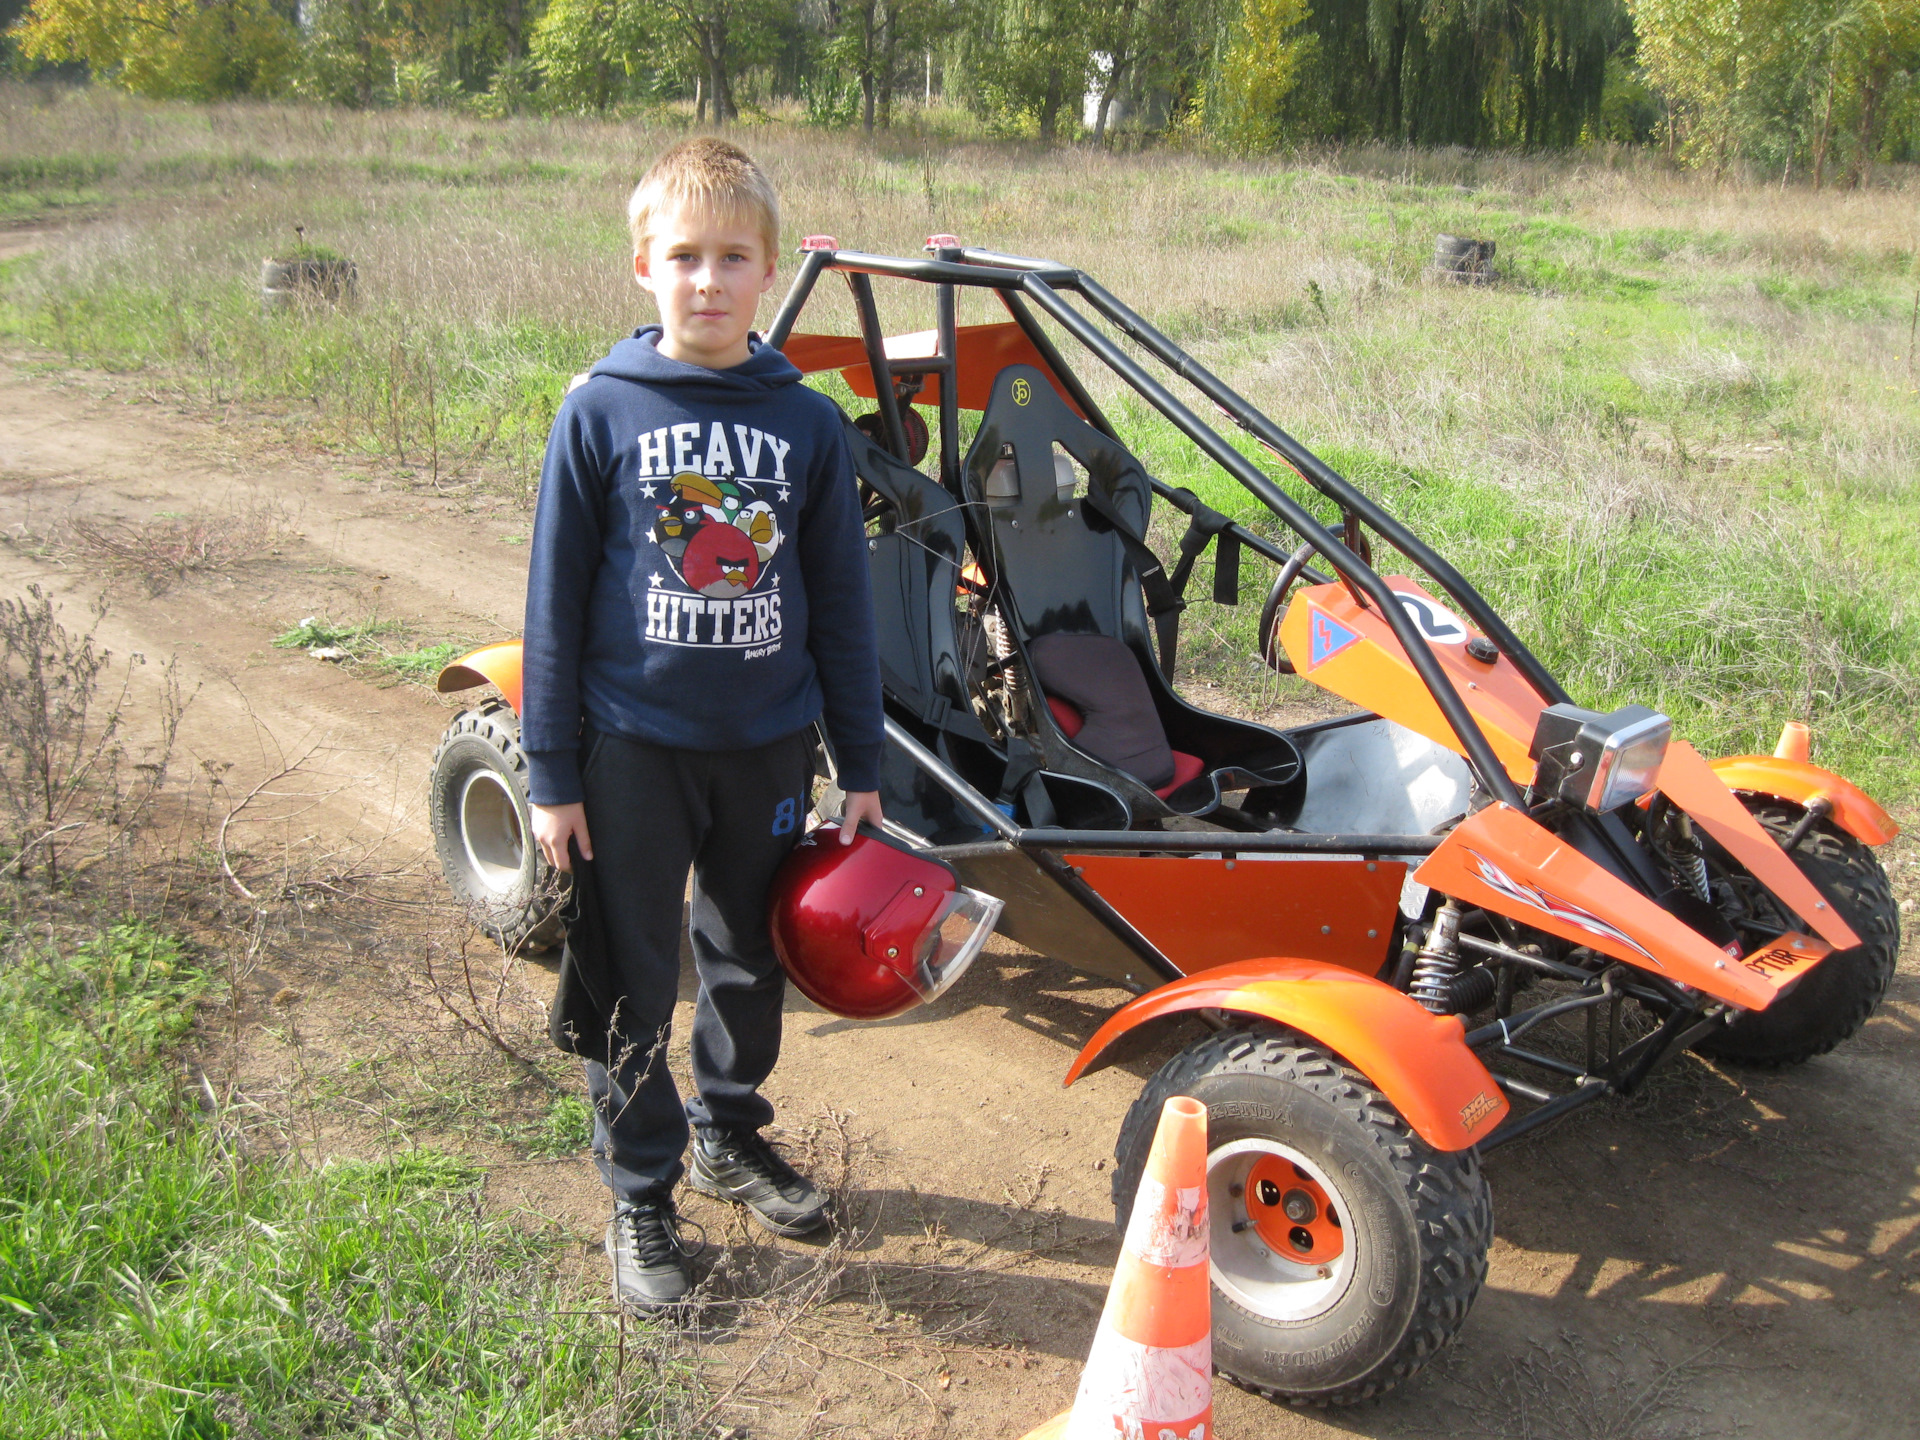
<point>1779,82</point>
<point>167,49</point>
<point>590,52</point>
<point>1027,60</point>
<point>875,40</point>
<point>1258,70</point>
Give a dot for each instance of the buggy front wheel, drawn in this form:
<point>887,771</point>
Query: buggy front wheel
<point>483,831</point>
<point>1345,1251</point>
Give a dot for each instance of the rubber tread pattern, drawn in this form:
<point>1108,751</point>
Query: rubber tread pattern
<point>529,926</point>
<point>1851,878</point>
<point>1452,1205</point>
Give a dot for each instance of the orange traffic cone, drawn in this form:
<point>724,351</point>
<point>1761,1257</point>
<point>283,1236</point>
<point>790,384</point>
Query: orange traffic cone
<point>1150,1373</point>
<point>1795,742</point>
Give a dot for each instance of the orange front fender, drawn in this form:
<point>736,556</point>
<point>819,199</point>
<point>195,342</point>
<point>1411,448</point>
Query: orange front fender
<point>1419,1060</point>
<point>495,665</point>
<point>1854,811</point>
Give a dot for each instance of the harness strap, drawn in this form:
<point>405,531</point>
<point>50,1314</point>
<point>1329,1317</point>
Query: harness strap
<point>1163,595</point>
<point>933,708</point>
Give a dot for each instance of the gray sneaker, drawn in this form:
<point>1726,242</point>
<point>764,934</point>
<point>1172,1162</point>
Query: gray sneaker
<point>649,1258</point>
<point>739,1165</point>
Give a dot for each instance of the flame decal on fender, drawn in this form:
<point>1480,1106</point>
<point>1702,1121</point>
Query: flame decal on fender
<point>1536,898</point>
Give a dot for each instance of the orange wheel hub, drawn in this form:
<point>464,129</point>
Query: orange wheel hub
<point>1291,1213</point>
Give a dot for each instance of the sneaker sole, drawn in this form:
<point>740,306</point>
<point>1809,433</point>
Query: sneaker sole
<point>712,1188</point>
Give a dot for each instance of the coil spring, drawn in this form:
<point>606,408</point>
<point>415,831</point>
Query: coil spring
<point>1439,958</point>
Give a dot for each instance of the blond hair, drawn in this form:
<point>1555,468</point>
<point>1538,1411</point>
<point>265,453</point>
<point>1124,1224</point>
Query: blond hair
<point>712,176</point>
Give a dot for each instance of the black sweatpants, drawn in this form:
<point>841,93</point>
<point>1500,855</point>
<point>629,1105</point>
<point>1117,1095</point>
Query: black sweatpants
<point>731,816</point>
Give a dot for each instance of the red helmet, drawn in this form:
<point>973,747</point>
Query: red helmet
<point>870,929</point>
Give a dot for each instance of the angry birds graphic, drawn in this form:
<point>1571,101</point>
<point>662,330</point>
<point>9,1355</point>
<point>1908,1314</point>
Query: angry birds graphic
<point>762,527</point>
<point>721,561</point>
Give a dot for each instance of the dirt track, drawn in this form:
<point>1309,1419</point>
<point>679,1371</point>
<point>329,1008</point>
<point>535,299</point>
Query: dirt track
<point>1727,1255</point>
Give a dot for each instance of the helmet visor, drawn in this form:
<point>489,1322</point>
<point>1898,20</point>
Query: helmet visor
<point>957,933</point>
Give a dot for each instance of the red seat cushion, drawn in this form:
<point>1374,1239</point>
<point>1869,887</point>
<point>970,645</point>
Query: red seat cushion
<point>1185,767</point>
<point>1065,716</point>
<point>1102,679</point>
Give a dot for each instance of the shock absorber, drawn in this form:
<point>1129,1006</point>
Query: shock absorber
<point>1000,646</point>
<point>1688,860</point>
<point>1439,958</point>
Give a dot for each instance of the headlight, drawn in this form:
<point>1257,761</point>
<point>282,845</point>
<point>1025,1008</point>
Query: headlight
<point>1599,761</point>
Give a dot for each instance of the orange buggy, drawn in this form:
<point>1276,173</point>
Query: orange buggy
<point>1375,917</point>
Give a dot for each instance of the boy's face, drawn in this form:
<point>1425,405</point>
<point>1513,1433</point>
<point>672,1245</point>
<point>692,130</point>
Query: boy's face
<point>707,276</point>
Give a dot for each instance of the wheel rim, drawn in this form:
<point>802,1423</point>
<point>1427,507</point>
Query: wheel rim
<point>490,832</point>
<point>1282,1236</point>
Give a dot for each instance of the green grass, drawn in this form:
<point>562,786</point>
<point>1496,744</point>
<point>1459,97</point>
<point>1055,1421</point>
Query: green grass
<point>163,1276</point>
<point>1675,447</point>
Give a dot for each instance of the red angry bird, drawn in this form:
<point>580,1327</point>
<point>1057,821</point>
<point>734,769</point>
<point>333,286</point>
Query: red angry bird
<point>721,562</point>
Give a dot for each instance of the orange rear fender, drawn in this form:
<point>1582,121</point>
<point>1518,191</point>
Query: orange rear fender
<point>1420,1061</point>
<point>495,665</point>
<point>1854,811</point>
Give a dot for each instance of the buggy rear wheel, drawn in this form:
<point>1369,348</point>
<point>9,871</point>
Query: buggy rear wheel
<point>482,830</point>
<point>1835,998</point>
<point>1345,1251</point>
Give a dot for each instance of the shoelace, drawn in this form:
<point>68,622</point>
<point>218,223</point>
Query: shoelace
<point>655,1230</point>
<point>753,1150</point>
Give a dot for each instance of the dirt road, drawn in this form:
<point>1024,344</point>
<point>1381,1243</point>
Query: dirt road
<point>1730,1254</point>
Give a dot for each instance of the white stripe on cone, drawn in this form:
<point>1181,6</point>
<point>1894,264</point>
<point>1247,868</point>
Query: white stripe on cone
<point>1174,1237</point>
<point>1159,1393</point>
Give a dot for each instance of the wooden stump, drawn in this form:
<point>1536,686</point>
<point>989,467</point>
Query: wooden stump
<point>1463,261</point>
<point>285,283</point>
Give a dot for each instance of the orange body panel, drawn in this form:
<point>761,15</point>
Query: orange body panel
<point>1689,782</point>
<point>1201,913</point>
<point>1501,860</point>
<point>985,350</point>
<point>495,665</point>
<point>1355,654</point>
<point>1781,962</point>
<point>1854,811</point>
<point>1419,1060</point>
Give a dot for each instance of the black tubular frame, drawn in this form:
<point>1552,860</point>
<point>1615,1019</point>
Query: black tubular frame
<point>1024,284</point>
<point>1029,288</point>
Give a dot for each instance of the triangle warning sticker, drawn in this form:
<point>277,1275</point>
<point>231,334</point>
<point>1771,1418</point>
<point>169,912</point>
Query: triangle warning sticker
<point>1329,638</point>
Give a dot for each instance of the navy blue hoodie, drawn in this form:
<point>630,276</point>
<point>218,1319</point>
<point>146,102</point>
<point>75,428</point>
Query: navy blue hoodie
<point>698,576</point>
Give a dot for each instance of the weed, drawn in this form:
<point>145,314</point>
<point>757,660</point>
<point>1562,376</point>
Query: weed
<point>352,639</point>
<point>168,548</point>
<point>564,1130</point>
<point>165,1275</point>
<point>71,793</point>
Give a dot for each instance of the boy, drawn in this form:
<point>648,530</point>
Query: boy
<point>697,597</point>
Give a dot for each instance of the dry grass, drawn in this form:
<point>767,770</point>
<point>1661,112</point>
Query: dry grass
<point>168,548</point>
<point>1691,403</point>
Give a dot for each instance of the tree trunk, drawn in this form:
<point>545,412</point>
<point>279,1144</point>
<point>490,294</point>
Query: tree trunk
<point>699,100</point>
<point>1050,109</point>
<point>1868,136</point>
<point>512,21</point>
<point>1826,129</point>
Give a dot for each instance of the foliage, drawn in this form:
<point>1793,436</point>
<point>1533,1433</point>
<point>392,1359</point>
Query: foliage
<point>1259,69</point>
<point>1783,82</point>
<point>162,1274</point>
<point>168,49</point>
<point>1028,62</point>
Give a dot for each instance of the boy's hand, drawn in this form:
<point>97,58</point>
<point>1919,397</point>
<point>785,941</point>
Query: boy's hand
<point>860,805</point>
<point>553,825</point>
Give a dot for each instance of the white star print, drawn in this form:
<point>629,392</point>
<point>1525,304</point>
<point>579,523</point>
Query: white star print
<point>647,490</point>
<point>655,580</point>
<point>783,493</point>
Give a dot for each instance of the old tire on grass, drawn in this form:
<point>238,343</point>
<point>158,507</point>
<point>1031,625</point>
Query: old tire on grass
<point>1834,999</point>
<point>482,830</point>
<point>1360,1248</point>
